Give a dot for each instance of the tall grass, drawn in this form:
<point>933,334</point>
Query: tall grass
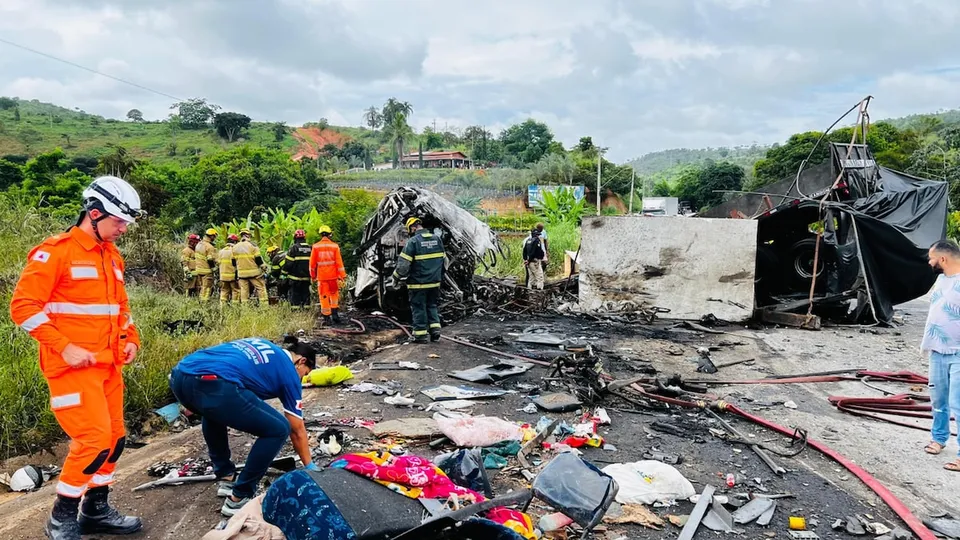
<point>561,237</point>
<point>26,423</point>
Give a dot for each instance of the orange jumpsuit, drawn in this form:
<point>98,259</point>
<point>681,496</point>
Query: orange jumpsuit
<point>72,292</point>
<point>326,268</point>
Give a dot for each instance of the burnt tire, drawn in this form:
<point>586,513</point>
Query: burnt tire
<point>799,264</point>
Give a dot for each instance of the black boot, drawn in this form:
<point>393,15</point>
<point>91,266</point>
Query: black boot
<point>62,524</point>
<point>98,517</point>
<point>435,335</point>
<point>326,320</point>
<point>336,315</point>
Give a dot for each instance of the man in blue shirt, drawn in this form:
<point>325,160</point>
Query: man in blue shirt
<point>941,341</point>
<point>226,384</point>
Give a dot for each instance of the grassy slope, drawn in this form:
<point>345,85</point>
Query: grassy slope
<point>90,134</point>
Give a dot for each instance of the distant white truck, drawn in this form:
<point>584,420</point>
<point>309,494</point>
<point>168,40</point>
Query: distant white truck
<point>660,206</point>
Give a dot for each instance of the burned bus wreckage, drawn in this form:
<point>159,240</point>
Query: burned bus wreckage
<point>468,242</point>
<point>877,225</point>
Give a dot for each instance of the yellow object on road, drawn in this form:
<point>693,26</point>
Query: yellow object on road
<point>328,376</point>
<point>798,523</point>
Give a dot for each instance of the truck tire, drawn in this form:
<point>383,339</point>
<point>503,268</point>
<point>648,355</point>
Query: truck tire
<point>800,264</point>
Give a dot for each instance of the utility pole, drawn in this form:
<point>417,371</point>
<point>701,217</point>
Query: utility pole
<point>599,159</point>
<point>633,177</point>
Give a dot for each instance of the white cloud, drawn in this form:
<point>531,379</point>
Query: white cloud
<point>636,75</point>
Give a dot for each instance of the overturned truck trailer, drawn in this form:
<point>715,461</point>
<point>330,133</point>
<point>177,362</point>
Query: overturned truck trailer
<point>467,242</point>
<point>877,225</point>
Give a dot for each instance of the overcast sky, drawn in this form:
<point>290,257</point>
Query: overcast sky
<point>636,75</point>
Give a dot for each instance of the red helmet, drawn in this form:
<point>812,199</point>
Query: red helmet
<point>300,233</point>
<point>233,238</point>
<point>193,237</point>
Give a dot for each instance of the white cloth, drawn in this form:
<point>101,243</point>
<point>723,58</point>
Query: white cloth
<point>247,524</point>
<point>942,331</point>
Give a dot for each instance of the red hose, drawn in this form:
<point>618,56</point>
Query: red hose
<point>888,497</point>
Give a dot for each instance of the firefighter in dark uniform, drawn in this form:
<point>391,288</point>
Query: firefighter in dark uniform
<point>421,263</point>
<point>276,258</point>
<point>295,267</point>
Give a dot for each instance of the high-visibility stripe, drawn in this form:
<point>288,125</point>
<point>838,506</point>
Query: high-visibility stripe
<point>422,285</point>
<point>428,256</point>
<point>427,235</point>
<point>34,322</point>
<point>69,308</point>
<point>101,480</point>
<point>295,278</point>
<point>298,258</point>
<point>434,325</point>
<point>65,401</point>
<point>405,256</point>
<point>243,256</point>
<point>70,491</point>
<point>326,263</point>
<point>419,332</point>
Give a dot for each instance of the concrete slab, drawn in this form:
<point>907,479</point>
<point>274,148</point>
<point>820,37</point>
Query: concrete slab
<point>691,266</point>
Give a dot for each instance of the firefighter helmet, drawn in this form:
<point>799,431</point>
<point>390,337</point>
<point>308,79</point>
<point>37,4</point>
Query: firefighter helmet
<point>233,238</point>
<point>211,232</point>
<point>413,221</point>
<point>113,196</point>
<point>300,233</point>
<point>324,229</point>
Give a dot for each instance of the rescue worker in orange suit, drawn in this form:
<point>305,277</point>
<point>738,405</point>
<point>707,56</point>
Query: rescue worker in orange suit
<point>250,269</point>
<point>326,268</point>
<point>206,257</point>
<point>188,258</point>
<point>71,299</point>
<point>229,286</point>
<point>295,267</point>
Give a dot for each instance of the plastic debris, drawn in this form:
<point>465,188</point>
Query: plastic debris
<point>169,413</point>
<point>478,430</point>
<point>553,522</point>
<point>647,482</point>
<point>26,478</point>
<point>529,408</point>
<point>790,404</point>
<point>452,405</point>
<point>445,392</point>
<point>400,401</point>
<point>493,372</point>
<point>390,388</point>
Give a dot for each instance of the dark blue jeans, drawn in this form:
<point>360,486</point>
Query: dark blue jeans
<point>224,404</point>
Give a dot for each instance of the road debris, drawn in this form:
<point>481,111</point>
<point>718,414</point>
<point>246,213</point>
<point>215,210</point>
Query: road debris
<point>633,513</point>
<point>492,372</point>
<point>407,428</point>
<point>444,392</point>
<point>648,482</point>
<point>557,402</point>
<point>471,431</point>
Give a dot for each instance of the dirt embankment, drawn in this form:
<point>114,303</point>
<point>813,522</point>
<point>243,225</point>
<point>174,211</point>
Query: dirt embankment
<point>312,139</point>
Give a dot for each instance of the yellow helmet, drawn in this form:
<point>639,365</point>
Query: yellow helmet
<point>246,232</point>
<point>412,221</point>
<point>211,232</point>
<point>273,249</point>
<point>325,230</point>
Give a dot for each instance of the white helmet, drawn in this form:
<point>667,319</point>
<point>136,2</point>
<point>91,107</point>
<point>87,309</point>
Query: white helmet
<point>113,196</point>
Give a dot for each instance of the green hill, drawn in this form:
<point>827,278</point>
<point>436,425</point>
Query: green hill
<point>43,126</point>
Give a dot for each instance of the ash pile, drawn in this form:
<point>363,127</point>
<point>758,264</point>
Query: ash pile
<point>468,243</point>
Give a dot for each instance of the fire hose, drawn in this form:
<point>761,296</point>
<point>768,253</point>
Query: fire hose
<point>869,480</point>
<point>362,330</point>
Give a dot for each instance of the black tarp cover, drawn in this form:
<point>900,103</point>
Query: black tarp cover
<point>881,242</point>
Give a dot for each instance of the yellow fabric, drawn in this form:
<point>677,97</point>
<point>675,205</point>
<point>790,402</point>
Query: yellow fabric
<point>227,271</point>
<point>188,258</point>
<point>246,254</point>
<point>328,376</point>
<point>203,253</point>
<point>206,286</point>
<point>257,284</point>
<point>229,291</point>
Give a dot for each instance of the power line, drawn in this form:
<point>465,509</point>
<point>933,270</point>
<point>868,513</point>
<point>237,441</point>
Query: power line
<point>85,68</point>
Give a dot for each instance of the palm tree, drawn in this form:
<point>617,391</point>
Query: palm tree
<point>398,131</point>
<point>394,106</point>
<point>373,118</point>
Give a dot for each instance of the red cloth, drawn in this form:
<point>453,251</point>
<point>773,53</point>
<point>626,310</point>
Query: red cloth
<point>417,477</point>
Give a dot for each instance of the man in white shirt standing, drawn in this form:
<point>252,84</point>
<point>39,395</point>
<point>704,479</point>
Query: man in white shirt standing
<point>941,343</point>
